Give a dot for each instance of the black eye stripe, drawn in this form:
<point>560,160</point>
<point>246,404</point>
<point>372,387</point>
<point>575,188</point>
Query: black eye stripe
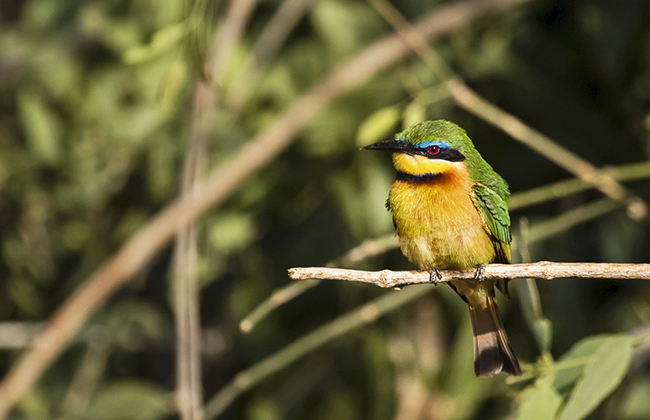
<point>452,155</point>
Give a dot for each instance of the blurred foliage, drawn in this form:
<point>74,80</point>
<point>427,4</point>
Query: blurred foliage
<point>94,121</point>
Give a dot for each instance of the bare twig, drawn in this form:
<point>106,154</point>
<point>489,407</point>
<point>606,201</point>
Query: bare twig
<point>529,299</point>
<point>281,296</point>
<point>87,376</point>
<point>227,39</point>
<point>189,394</point>
<point>540,270</point>
<point>565,188</point>
<point>16,335</point>
<point>222,181</point>
<point>20,335</point>
<point>563,222</point>
<point>267,46</point>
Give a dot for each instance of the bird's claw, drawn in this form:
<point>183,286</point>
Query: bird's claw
<point>480,273</point>
<point>435,276</point>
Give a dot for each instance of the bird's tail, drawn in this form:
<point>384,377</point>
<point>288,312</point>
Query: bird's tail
<point>492,351</point>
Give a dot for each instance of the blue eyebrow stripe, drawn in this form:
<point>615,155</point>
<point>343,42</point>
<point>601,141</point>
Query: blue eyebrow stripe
<point>429,143</point>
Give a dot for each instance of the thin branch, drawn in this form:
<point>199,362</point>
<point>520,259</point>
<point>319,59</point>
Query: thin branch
<point>228,37</point>
<point>20,335</point>
<point>277,30</point>
<point>267,46</point>
<point>540,270</point>
<point>629,172</point>
<point>282,295</point>
<point>219,185</point>
<point>529,298</point>
<point>189,394</point>
<point>87,377</point>
<point>558,224</point>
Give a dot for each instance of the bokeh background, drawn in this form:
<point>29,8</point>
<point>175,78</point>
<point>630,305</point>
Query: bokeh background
<point>110,109</point>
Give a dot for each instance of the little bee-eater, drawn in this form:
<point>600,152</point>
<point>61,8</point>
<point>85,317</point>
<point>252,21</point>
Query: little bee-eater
<point>450,212</point>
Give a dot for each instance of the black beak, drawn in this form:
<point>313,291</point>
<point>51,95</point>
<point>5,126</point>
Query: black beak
<point>395,146</point>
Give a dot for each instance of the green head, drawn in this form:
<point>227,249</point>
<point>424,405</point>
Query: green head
<point>435,147</point>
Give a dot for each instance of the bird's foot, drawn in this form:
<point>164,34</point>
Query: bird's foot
<point>435,276</point>
<point>480,273</point>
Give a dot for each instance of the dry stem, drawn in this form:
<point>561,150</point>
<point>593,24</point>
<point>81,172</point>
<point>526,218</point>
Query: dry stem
<point>539,270</point>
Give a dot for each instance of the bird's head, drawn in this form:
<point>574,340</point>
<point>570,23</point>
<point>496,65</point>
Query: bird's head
<point>429,148</point>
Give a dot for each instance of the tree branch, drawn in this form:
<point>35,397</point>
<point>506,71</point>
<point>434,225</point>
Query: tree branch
<point>628,172</point>
<point>541,270</point>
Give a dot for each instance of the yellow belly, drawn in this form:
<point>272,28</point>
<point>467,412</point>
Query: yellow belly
<point>438,224</point>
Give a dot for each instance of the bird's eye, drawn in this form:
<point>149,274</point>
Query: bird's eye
<point>433,150</point>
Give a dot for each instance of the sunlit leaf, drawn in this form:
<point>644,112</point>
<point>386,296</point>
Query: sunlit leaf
<point>161,42</point>
<point>232,231</point>
<point>345,25</point>
<point>602,375</point>
<point>539,402</point>
<point>414,113</point>
<point>571,365</point>
<point>543,329</point>
<point>378,126</point>
<point>41,125</point>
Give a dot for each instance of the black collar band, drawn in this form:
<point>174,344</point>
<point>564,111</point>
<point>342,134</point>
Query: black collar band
<point>402,176</point>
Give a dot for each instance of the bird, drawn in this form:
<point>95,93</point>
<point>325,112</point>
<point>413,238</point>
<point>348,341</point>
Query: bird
<point>450,212</point>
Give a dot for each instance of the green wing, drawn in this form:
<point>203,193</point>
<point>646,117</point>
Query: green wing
<point>495,211</point>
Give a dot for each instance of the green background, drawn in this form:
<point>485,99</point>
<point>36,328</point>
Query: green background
<point>95,117</point>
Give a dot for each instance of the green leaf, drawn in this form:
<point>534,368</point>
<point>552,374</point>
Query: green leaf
<point>540,402</point>
<point>42,127</point>
<point>531,306</point>
<point>378,125</point>
<point>571,365</point>
<point>232,232</point>
<point>129,399</point>
<point>543,329</point>
<point>414,113</point>
<point>25,295</point>
<point>330,133</point>
<point>161,42</point>
<point>345,26</point>
<point>602,375</point>
<point>136,316</point>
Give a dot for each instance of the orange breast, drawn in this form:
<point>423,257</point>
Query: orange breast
<point>438,224</point>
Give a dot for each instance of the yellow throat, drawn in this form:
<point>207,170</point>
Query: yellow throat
<point>436,220</point>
